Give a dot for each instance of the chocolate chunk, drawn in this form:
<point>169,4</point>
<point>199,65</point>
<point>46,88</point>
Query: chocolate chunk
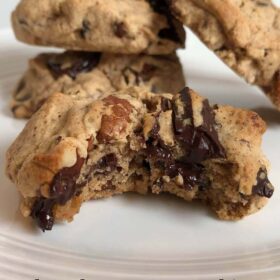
<point>151,106</point>
<point>162,7</point>
<point>58,139</point>
<point>166,104</point>
<point>84,62</point>
<point>159,6</point>
<point>63,186</point>
<point>147,165</point>
<point>62,189</point>
<point>119,29</point>
<point>85,28</point>
<point>208,128</point>
<point>169,34</point>
<point>42,212</point>
<point>160,154</point>
<point>107,163</point>
<point>162,157</point>
<point>200,143</point>
<point>190,173</point>
<point>263,186</point>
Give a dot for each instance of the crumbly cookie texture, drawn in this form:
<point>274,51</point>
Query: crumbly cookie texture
<point>92,74</point>
<point>76,149</point>
<point>118,26</point>
<point>244,34</point>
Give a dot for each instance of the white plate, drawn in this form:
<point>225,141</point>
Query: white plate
<point>135,237</point>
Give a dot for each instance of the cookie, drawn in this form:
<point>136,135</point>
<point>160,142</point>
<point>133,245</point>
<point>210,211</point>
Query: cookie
<point>92,74</point>
<point>76,149</point>
<point>244,34</point>
<point>115,26</point>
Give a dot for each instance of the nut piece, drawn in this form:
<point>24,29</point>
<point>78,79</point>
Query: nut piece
<point>115,123</point>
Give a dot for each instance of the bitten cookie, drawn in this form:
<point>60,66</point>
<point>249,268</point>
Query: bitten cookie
<point>118,26</point>
<point>244,34</point>
<point>73,150</point>
<point>92,74</point>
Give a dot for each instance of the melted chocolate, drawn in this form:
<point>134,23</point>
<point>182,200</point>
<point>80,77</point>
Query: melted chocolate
<point>263,186</point>
<point>200,143</point>
<point>42,212</point>
<point>63,185</point>
<point>84,62</point>
<point>62,189</point>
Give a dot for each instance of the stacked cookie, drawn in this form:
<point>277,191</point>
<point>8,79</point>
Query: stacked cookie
<point>109,47</point>
<point>108,133</point>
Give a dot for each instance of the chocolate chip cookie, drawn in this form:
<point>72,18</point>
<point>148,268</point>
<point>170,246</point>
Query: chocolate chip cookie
<point>244,34</point>
<point>118,26</point>
<point>76,149</point>
<point>92,74</point>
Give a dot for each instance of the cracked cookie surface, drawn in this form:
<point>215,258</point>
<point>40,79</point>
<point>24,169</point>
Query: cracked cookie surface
<point>118,26</point>
<point>244,34</point>
<point>76,149</point>
<point>92,74</point>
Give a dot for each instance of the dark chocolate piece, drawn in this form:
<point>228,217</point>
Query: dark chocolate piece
<point>62,189</point>
<point>190,173</point>
<point>169,34</point>
<point>84,62</point>
<point>162,157</point>
<point>63,185</point>
<point>166,104</point>
<point>263,186</point>
<point>85,28</point>
<point>108,163</point>
<point>162,7</point>
<point>119,29</point>
<point>200,143</point>
<point>42,212</point>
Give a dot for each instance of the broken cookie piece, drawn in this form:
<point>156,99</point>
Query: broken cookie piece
<point>92,74</point>
<point>244,34</point>
<point>76,149</point>
<point>115,26</point>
